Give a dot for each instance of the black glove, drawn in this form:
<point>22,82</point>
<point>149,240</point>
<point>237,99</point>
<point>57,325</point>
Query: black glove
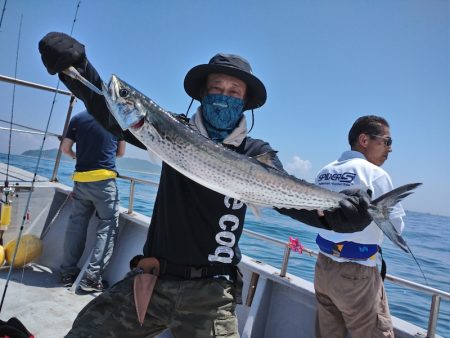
<point>59,51</point>
<point>352,216</point>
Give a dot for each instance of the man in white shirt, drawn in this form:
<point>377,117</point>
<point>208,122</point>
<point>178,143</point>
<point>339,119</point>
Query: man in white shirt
<point>349,289</point>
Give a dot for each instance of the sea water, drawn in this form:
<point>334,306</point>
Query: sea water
<point>427,235</point>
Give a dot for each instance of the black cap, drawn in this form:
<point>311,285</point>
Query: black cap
<point>229,64</point>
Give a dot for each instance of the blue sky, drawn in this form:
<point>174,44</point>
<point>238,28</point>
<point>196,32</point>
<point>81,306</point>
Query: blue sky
<point>324,64</point>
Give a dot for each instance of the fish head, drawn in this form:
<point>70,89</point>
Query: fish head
<point>125,103</point>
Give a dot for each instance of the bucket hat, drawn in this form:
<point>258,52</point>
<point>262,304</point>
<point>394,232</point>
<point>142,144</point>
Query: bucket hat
<point>229,64</point>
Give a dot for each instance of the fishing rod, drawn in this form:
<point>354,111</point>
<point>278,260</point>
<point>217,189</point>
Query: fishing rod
<point>5,218</point>
<point>3,12</point>
<point>8,192</point>
<point>26,213</point>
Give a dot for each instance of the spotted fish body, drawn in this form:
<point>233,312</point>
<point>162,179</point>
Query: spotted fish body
<point>232,174</point>
<point>209,163</point>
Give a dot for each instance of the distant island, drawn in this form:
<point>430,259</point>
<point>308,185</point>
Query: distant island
<point>124,163</point>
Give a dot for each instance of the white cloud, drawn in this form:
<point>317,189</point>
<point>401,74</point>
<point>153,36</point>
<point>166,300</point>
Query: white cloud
<point>298,167</point>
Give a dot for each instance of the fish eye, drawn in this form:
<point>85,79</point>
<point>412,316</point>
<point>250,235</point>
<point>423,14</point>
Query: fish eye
<point>123,92</point>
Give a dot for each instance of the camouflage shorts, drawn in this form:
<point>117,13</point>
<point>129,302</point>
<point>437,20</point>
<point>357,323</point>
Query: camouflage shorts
<point>190,308</point>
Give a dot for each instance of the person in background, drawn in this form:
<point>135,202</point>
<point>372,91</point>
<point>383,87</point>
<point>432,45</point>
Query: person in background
<point>349,288</point>
<point>94,189</point>
<point>194,232</point>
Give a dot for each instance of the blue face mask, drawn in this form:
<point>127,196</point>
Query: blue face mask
<point>221,114</point>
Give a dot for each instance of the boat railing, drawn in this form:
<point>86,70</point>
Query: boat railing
<point>436,294</point>
<point>133,181</point>
<point>15,81</point>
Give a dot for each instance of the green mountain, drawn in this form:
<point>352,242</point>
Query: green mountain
<point>49,153</point>
<point>124,163</point>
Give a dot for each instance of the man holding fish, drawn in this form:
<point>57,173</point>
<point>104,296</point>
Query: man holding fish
<point>191,253</point>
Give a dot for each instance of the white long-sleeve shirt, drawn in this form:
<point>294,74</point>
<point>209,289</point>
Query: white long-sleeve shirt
<point>352,170</point>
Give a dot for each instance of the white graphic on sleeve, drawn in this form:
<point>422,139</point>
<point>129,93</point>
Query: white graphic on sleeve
<point>226,239</point>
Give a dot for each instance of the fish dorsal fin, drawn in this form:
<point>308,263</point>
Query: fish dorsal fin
<point>181,118</point>
<point>267,159</point>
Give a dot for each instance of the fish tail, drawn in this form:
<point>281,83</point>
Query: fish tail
<point>389,199</point>
<point>380,209</point>
<point>388,228</point>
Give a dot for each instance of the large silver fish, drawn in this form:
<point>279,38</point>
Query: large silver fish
<point>251,180</point>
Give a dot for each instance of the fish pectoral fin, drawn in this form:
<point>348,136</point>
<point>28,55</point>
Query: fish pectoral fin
<point>256,211</point>
<point>267,159</point>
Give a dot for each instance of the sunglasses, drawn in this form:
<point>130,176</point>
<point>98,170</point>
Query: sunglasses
<point>387,140</point>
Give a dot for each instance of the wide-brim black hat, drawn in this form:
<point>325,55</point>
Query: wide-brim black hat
<point>233,65</point>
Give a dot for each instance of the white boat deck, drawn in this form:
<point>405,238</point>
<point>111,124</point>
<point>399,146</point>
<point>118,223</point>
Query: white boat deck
<point>35,296</point>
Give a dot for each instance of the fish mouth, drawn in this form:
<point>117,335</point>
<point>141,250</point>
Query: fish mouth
<point>138,124</point>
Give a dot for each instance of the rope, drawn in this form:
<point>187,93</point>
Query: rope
<point>47,229</point>
<point>189,108</point>
<point>253,122</point>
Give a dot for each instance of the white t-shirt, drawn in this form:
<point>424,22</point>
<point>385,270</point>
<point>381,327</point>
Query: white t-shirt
<point>352,170</point>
